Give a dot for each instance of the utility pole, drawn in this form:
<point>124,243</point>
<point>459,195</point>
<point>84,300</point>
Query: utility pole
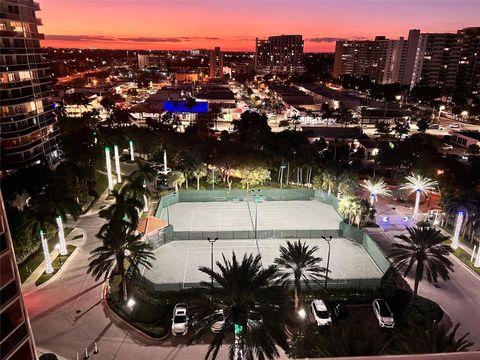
<point>328,258</point>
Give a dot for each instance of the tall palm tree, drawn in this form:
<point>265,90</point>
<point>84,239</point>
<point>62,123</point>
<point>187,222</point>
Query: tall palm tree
<point>461,207</point>
<point>295,120</point>
<point>435,339</point>
<point>254,305</point>
<point>297,263</point>
<point>423,249</point>
<point>123,208</point>
<point>420,185</point>
<point>136,188</point>
<point>216,112</point>
<point>376,187</point>
<point>120,243</point>
<point>200,171</point>
<point>176,178</point>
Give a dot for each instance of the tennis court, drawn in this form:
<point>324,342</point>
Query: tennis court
<point>176,263</point>
<point>241,216</point>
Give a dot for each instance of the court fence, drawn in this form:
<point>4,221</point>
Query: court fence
<point>344,230</point>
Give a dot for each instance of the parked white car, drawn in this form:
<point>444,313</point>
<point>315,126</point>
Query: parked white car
<point>454,126</point>
<point>180,320</point>
<point>447,147</point>
<point>320,313</point>
<point>383,313</point>
<point>219,321</point>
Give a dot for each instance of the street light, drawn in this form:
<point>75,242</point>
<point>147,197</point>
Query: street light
<point>328,258</point>
<point>256,197</point>
<point>440,109</point>
<point>282,167</point>
<point>211,241</point>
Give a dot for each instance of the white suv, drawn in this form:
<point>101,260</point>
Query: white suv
<point>180,320</point>
<point>320,313</point>
<point>383,313</point>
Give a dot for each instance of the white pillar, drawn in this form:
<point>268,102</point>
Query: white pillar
<point>372,198</point>
<point>61,236</point>
<point>109,168</point>
<point>165,162</point>
<point>46,254</point>
<point>417,204</point>
<point>132,158</point>
<point>117,164</point>
<point>477,260</point>
<point>456,233</point>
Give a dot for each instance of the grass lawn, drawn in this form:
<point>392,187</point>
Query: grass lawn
<point>464,257</point>
<point>56,264</point>
<point>34,260</point>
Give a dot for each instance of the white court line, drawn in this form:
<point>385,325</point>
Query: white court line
<point>191,220</point>
<point>185,270</point>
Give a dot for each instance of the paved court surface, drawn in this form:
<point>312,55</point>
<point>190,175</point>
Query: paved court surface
<point>281,215</point>
<point>177,262</point>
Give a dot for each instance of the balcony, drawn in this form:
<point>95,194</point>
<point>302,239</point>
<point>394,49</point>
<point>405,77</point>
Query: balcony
<point>8,293</point>
<point>14,340</point>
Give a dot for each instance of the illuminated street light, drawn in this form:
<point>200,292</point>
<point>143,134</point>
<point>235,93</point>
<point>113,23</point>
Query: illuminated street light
<point>117,164</point>
<point>440,109</point>
<point>131,303</point>
<point>456,233</point>
<point>132,158</point>
<point>46,254</point>
<point>165,162</point>
<point>302,314</point>
<point>61,236</point>
<point>109,168</point>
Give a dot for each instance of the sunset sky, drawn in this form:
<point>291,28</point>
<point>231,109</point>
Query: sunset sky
<point>233,25</point>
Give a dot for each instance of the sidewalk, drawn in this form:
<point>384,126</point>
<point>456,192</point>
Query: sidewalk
<point>29,283</point>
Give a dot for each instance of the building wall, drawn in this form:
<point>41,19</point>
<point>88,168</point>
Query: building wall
<point>279,55</point>
<point>16,342</point>
<point>216,63</point>
<point>28,130</point>
<point>468,77</point>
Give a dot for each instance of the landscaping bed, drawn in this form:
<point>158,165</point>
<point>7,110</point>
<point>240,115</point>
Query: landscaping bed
<point>57,265</point>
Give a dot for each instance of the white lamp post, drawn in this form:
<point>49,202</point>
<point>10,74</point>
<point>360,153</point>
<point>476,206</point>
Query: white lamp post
<point>117,164</point>
<point>440,109</point>
<point>132,158</point>
<point>456,233</point>
<point>61,236</point>
<point>477,260</point>
<point>109,168</point>
<point>165,162</point>
<point>46,254</point>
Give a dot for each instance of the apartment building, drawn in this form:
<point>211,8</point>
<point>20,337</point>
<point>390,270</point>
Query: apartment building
<point>16,342</point>
<point>279,55</point>
<point>216,63</point>
<point>28,131</point>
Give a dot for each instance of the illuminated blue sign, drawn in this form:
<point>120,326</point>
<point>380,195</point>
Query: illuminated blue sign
<point>180,106</point>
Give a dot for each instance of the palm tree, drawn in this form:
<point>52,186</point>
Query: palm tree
<point>136,188</point>
<point>253,304</point>
<point>200,171</point>
<point>376,187</point>
<point>435,339</point>
<point>295,120</point>
<point>296,264</point>
<point>350,339</point>
<point>176,178</point>
<point>123,208</point>
<point>216,112</point>
<point>120,243</point>
<point>39,219</point>
<point>424,249</point>
<point>463,206</point>
<point>418,184</point>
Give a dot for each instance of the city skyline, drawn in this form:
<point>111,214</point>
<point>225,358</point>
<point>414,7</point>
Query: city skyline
<point>190,24</point>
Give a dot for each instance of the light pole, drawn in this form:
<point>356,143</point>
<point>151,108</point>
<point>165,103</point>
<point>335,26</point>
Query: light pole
<point>256,196</point>
<point>328,258</point>
<point>282,167</point>
<point>211,241</point>
<point>440,109</point>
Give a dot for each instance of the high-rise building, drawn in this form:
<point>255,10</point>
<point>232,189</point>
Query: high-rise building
<point>216,63</point>
<point>468,78</point>
<point>27,120</point>
<point>383,60</point>
<point>16,342</point>
<point>279,55</point>
<point>151,60</point>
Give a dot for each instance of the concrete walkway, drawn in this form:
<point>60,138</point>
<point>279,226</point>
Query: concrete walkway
<point>29,283</point>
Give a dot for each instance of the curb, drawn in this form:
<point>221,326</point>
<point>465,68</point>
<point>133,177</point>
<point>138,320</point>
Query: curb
<point>465,266</point>
<point>112,314</point>
<point>64,265</point>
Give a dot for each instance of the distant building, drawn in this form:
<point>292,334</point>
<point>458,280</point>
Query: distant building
<point>151,60</point>
<point>291,95</point>
<point>17,340</point>
<point>28,131</point>
<point>279,55</point>
<point>468,77</point>
<point>216,63</point>
<point>187,78</point>
<point>466,138</point>
<point>444,60</point>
